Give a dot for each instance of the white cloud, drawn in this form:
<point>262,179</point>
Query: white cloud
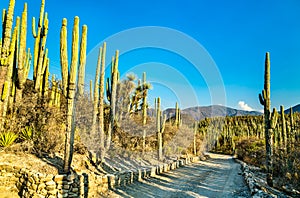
<point>245,106</point>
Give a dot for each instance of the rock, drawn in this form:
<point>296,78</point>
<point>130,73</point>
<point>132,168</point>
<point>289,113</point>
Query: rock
<point>75,190</point>
<point>41,186</point>
<point>50,183</point>
<point>71,177</point>
<point>52,192</point>
<point>66,187</point>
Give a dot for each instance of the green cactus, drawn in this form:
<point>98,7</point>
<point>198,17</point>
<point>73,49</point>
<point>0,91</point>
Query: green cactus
<point>195,138</point>
<point>269,119</point>
<point>112,92</point>
<point>96,93</point>
<point>160,127</point>
<point>144,109</point>
<point>82,61</point>
<point>64,57</point>
<point>8,84</point>
<point>39,46</point>
<point>283,129</point>
<point>45,85</point>
<point>101,103</point>
<point>6,55</point>
<point>53,91</point>
<point>292,131</point>
<point>71,86</point>
<point>22,58</point>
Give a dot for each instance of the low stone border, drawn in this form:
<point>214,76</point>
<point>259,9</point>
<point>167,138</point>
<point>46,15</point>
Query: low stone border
<point>33,184</point>
<point>257,186</point>
<point>128,177</point>
<point>30,184</point>
<point>254,187</point>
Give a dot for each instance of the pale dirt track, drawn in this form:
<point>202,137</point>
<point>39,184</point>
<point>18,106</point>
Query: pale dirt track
<point>219,176</point>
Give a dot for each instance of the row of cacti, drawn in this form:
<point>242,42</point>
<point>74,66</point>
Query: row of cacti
<point>69,76</point>
<point>16,59</point>
<point>15,65</point>
<point>280,130</point>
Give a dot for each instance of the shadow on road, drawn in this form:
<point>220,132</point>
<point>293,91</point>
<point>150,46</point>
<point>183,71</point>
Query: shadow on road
<point>216,177</point>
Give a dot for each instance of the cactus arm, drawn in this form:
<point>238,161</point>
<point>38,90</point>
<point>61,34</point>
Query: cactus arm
<point>22,50</point>
<point>64,56</point>
<point>82,60</point>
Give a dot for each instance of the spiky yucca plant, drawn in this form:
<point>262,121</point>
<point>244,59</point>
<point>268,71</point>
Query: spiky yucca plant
<point>7,138</point>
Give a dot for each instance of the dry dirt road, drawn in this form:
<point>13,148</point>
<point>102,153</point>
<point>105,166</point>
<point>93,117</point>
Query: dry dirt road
<point>219,176</point>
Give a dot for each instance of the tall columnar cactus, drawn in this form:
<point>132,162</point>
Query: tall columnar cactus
<point>101,103</point>
<point>53,90</point>
<point>71,85</point>
<point>195,137</point>
<point>23,68</point>
<point>177,116</point>
<point>64,62</point>
<point>8,78</point>
<point>270,120</point>
<point>40,47</point>
<point>292,131</point>
<point>96,94</point>
<point>45,85</point>
<point>144,109</point>
<point>5,56</point>
<point>283,129</point>
<point>82,61</point>
<point>160,127</point>
<point>111,93</point>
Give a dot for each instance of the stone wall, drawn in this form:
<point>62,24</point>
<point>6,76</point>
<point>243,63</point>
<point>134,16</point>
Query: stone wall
<point>32,184</point>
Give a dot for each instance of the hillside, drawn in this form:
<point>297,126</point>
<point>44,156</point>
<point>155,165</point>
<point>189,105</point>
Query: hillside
<point>295,108</point>
<point>199,113</point>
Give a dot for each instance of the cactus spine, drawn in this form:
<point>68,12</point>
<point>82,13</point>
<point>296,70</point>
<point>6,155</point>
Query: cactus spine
<point>71,86</point>
<point>269,119</point>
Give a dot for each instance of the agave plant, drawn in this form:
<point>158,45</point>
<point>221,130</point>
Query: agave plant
<point>7,138</point>
<point>27,133</point>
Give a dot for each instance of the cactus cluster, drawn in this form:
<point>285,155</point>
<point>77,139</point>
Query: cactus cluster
<point>69,78</point>
<point>15,61</point>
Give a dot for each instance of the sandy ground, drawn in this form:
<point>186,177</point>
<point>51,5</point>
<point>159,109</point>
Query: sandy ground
<point>219,176</point>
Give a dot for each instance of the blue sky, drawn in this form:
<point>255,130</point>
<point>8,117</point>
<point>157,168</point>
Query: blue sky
<point>234,33</point>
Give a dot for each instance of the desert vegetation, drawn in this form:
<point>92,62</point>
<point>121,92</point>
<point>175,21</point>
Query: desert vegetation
<point>43,115</point>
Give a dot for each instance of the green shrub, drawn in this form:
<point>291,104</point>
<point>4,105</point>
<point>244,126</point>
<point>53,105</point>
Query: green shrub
<point>7,138</point>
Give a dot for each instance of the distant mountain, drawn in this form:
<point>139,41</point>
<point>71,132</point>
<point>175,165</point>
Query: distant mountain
<point>199,113</point>
<point>294,108</point>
